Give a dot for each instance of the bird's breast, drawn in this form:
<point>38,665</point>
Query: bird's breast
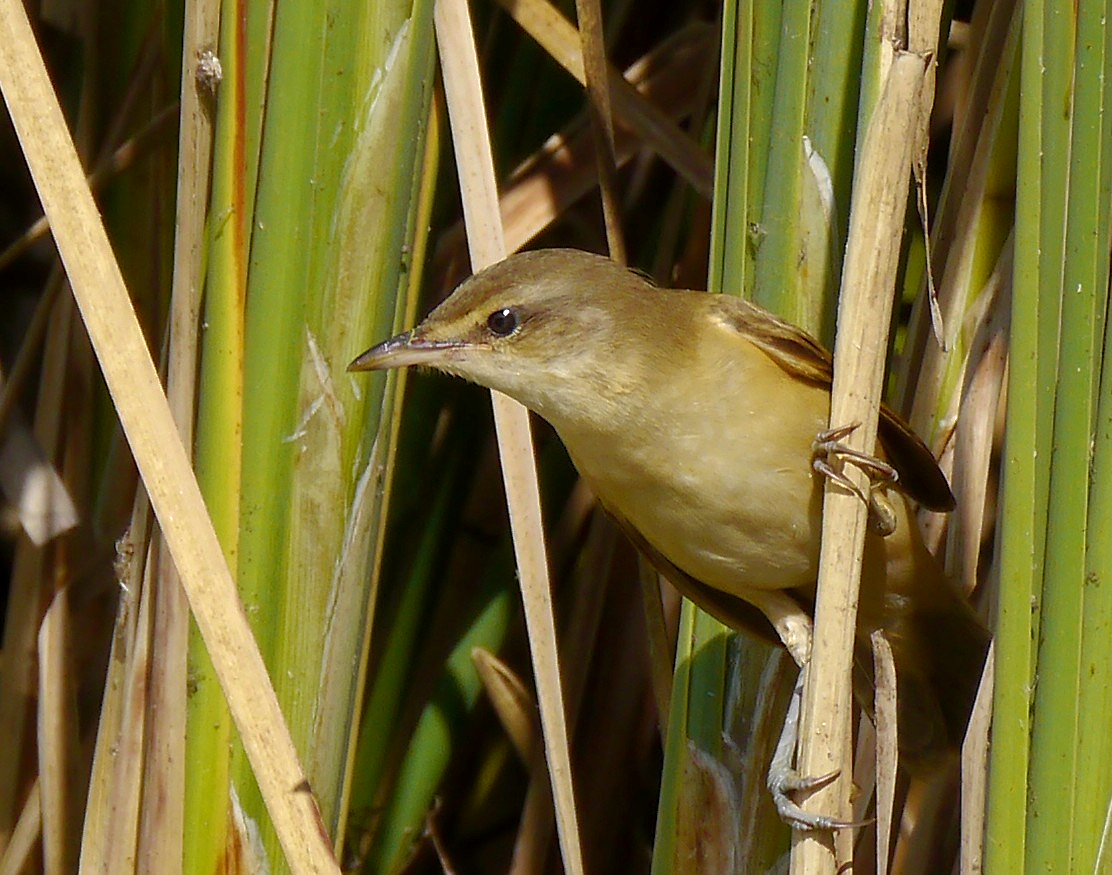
<point>722,485</point>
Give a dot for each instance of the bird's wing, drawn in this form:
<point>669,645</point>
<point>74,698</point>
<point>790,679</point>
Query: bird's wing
<point>920,476</point>
<point>802,356</point>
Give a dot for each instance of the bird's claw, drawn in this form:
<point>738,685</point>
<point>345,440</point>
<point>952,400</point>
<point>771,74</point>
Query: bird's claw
<point>782,781</point>
<point>829,456</point>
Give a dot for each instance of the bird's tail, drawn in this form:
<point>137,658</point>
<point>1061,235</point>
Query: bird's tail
<point>939,651</point>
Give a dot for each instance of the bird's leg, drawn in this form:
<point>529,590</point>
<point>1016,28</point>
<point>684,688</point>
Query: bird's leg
<point>794,627</point>
<point>784,779</point>
<point>829,456</point>
<point>791,622</point>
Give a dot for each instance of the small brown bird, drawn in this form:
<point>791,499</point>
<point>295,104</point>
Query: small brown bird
<point>693,417</point>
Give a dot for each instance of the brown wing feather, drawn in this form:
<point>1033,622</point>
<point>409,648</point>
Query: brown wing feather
<point>920,476</point>
<point>802,356</point>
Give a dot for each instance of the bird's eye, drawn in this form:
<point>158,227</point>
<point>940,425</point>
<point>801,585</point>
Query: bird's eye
<point>504,322</point>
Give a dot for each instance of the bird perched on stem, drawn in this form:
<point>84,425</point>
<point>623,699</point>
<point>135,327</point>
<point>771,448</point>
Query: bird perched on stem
<point>695,419</point>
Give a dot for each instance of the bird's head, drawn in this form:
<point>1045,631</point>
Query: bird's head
<point>556,329</point>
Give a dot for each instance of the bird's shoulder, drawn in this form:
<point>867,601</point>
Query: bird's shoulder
<point>791,348</point>
<point>803,357</point>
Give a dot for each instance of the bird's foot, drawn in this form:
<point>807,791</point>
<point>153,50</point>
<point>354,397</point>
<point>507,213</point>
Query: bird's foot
<point>782,782</point>
<point>829,457</point>
<point>783,778</point>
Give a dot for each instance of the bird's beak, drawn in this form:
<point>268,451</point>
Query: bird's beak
<point>402,351</point>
